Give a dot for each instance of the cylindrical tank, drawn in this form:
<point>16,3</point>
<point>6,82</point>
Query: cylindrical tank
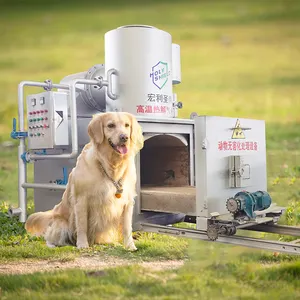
<point>142,56</point>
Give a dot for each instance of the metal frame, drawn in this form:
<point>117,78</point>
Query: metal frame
<point>150,126</point>
<point>167,127</point>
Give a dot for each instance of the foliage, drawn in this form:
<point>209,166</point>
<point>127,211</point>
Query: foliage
<point>9,227</point>
<point>292,215</point>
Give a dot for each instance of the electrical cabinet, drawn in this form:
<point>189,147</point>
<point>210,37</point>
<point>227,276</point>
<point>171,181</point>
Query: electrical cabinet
<point>47,116</point>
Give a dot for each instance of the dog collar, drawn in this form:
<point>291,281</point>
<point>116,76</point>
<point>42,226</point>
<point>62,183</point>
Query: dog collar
<point>118,184</point>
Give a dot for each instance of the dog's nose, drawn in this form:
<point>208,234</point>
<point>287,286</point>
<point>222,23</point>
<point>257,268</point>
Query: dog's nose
<point>123,138</point>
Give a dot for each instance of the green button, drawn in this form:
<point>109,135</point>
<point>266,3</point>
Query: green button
<point>34,120</point>
<point>42,119</point>
<point>30,120</point>
<point>38,134</point>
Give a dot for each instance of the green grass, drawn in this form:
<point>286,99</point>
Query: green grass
<point>16,244</point>
<point>225,275</point>
<point>239,59</point>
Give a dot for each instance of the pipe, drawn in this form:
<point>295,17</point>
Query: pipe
<point>22,193</point>
<point>47,186</point>
<point>21,211</point>
<point>14,212</point>
<point>74,131</point>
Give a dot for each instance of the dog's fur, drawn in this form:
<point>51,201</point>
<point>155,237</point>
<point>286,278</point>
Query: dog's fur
<point>89,211</point>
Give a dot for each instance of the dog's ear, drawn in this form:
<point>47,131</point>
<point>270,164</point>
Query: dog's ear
<point>95,129</point>
<point>136,134</point>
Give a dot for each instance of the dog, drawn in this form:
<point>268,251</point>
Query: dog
<point>97,205</point>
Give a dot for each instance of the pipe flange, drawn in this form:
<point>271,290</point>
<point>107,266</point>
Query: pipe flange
<point>49,86</point>
<point>94,96</point>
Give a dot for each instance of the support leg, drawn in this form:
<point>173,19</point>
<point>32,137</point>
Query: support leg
<point>22,192</point>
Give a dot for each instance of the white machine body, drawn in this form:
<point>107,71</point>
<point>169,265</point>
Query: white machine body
<point>142,56</point>
<point>187,166</point>
<point>215,156</point>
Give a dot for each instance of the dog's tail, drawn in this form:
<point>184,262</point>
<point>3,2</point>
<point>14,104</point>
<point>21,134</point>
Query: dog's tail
<point>53,227</point>
<point>37,223</point>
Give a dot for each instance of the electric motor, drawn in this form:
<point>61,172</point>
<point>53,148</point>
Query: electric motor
<point>246,203</point>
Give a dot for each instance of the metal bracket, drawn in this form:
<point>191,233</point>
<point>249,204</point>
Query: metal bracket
<point>178,105</point>
<point>17,134</point>
<point>238,171</point>
<point>63,181</point>
<point>25,157</point>
<point>50,85</point>
<point>43,152</point>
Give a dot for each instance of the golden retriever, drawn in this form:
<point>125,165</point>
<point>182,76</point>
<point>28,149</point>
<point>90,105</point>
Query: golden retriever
<point>97,205</point>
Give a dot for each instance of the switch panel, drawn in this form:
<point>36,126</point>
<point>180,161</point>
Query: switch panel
<point>47,116</point>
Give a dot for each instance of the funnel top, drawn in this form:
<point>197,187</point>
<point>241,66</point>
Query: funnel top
<point>136,25</point>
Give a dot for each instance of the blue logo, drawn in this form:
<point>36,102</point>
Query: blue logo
<point>160,74</point>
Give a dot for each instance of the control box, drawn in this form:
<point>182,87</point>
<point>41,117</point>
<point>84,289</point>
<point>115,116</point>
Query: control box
<point>47,116</point>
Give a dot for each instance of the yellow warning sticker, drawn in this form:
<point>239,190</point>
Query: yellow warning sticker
<point>238,132</point>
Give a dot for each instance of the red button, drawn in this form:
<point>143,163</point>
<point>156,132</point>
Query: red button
<point>45,118</point>
<point>41,111</point>
<point>46,126</point>
<point>46,111</point>
<point>30,113</point>
<point>37,111</point>
<point>34,112</point>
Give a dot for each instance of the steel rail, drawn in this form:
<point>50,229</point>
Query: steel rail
<point>273,228</point>
<point>233,240</point>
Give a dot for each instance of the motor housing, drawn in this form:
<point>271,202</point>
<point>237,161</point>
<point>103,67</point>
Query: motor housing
<point>245,203</point>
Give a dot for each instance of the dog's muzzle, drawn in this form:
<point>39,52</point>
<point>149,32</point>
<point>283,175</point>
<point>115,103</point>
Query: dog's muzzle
<point>120,148</point>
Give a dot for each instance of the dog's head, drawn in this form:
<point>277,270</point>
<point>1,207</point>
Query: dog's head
<point>117,131</point>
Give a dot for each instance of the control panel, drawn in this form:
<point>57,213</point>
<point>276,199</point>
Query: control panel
<point>47,116</point>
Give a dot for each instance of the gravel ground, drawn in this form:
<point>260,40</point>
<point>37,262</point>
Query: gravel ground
<point>87,263</point>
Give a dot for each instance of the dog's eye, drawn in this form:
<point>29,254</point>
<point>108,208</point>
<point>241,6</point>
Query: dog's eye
<point>111,125</point>
<point>126,125</point>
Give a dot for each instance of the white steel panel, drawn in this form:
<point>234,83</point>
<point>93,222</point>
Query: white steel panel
<point>214,145</point>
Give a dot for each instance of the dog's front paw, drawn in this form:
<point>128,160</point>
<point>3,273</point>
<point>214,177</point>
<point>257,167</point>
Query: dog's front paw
<point>82,245</point>
<point>130,246</point>
<point>50,245</point>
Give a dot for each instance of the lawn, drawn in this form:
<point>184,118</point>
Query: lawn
<point>239,59</point>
